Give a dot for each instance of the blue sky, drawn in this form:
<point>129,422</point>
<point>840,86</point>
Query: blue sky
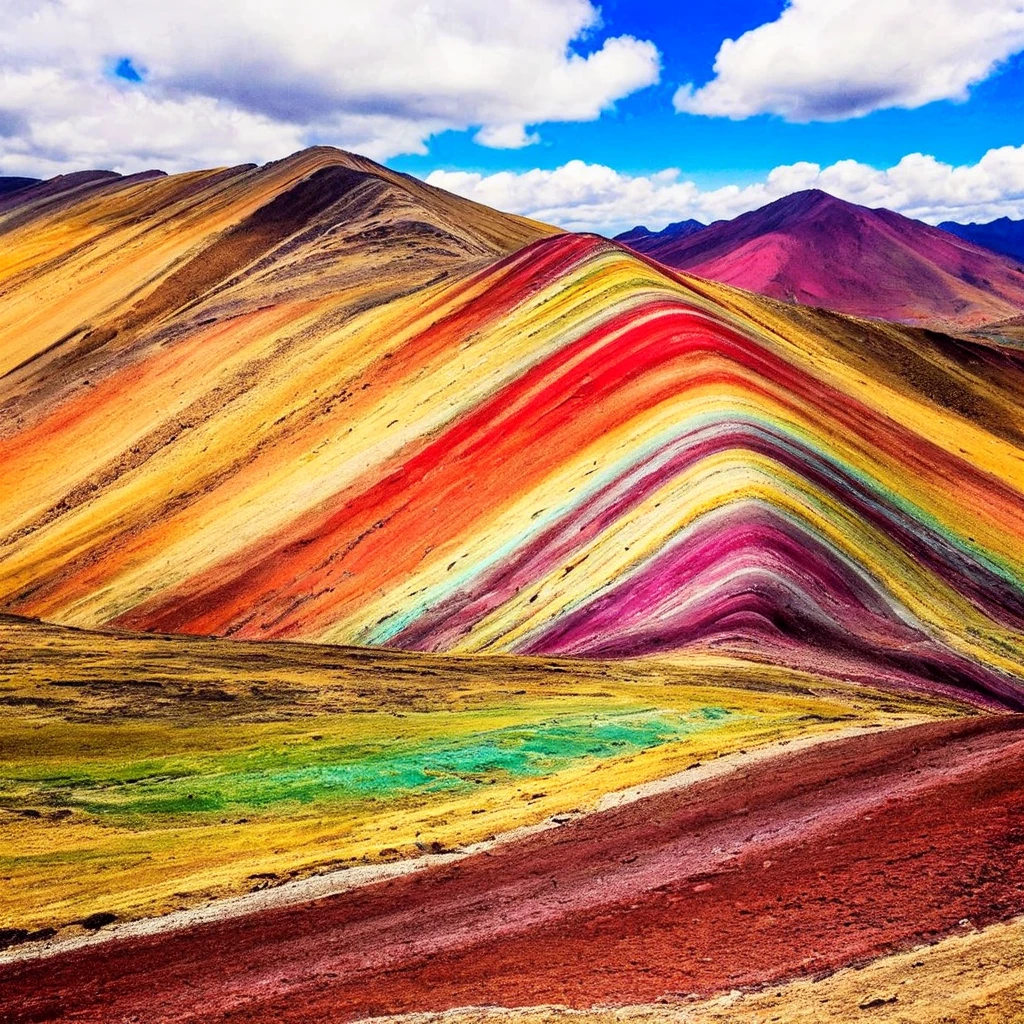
<point>592,115</point>
<point>643,133</point>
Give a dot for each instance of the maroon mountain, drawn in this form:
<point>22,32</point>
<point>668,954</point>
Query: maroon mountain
<point>814,249</point>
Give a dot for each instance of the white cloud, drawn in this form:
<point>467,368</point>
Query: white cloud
<point>101,125</point>
<point>590,197</point>
<point>826,60</point>
<point>253,79</point>
<point>506,136</point>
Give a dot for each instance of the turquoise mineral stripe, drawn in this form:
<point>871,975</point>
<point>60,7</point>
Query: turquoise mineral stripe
<point>351,773</point>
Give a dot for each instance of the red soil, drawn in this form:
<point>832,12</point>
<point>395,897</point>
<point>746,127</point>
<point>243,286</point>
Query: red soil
<point>817,859</point>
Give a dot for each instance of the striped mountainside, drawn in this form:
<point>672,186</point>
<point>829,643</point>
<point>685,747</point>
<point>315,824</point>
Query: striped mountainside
<point>274,426</point>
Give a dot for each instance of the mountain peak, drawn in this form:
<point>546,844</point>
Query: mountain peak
<point>816,249</point>
<point>812,197</point>
<point>808,205</point>
<point>634,234</point>
<point>315,158</point>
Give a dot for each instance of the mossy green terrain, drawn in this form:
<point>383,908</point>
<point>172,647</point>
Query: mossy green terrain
<point>140,774</point>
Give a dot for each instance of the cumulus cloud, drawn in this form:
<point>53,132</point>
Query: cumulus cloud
<point>130,83</point>
<point>826,60</point>
<point>99,125</point>
<point>590,197</point>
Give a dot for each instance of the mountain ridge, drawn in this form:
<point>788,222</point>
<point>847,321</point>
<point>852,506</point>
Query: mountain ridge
<point>208,225</point>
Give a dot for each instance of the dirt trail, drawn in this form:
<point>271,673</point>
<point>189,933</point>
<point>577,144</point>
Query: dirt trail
<point>976,978</point>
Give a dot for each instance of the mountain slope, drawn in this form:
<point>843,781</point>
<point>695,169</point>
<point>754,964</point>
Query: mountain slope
<point>321,401</point>
<point>814,249</point>
<point>95,256</point>
<point>1003,235</point>
<point>131,759</point>
<point>566,451</point>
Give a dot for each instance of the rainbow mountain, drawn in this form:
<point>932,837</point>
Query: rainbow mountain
<point>440,611</point>
<point>321,401</point>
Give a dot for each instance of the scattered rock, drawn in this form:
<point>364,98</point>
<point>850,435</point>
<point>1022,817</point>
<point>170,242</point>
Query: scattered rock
<point>98,920</point>
<point>12,937</point>
<point>873,1002</point>
<point>434,847</point>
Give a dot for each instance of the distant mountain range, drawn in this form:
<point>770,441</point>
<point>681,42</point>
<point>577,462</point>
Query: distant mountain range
<point>1004,235</point>
<point>814,249</point>
<point>653,241</point>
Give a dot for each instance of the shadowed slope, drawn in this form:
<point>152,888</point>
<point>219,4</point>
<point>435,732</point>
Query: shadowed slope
<point>817,250</point>
<point>567,452</point>
<point>93,256</point>
<point>9,184</point>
